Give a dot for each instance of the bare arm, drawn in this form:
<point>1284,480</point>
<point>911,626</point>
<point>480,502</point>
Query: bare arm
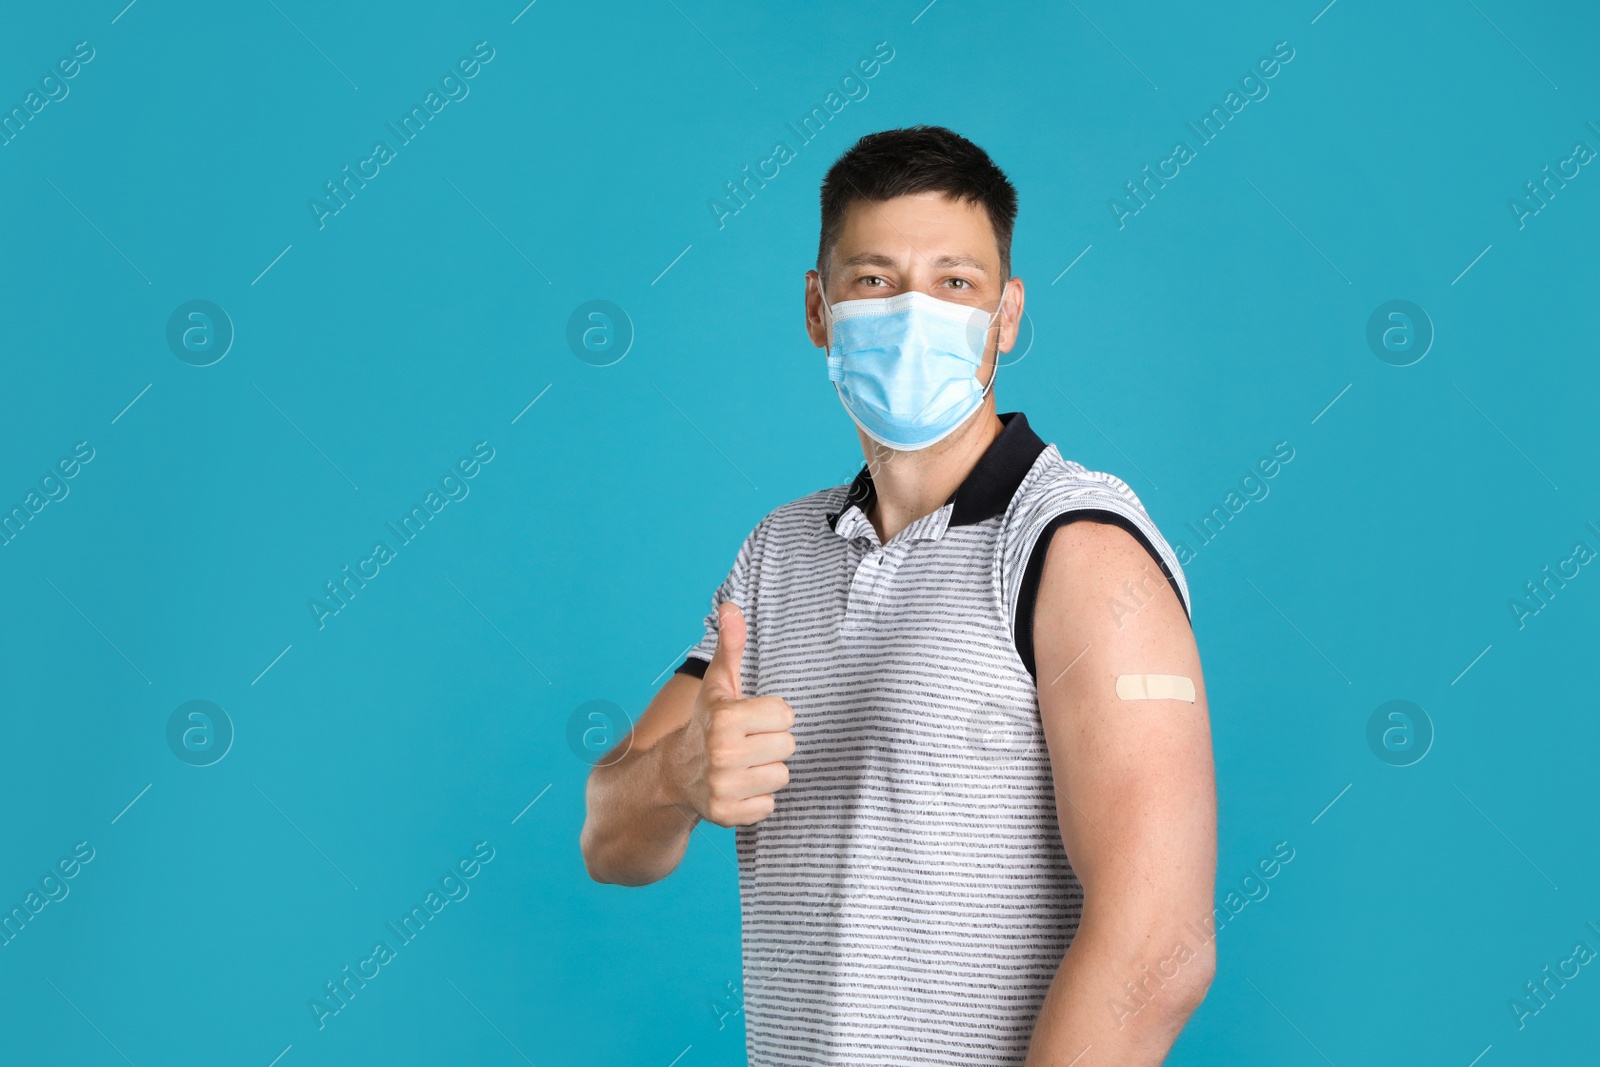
<point>699,750</point>
<point>637,825</point>
<point>1136,802</point>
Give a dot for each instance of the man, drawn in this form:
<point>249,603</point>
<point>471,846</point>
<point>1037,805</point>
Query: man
<point>954,708</point>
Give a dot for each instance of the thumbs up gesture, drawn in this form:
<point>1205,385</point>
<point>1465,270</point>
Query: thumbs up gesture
<point>728,759</point>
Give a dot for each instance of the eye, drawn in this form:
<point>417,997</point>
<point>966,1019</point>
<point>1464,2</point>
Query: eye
<point>870,279</point>
<point>964,283</point>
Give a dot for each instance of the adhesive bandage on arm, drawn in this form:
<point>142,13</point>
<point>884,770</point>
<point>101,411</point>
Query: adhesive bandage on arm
<point>1154,687</point>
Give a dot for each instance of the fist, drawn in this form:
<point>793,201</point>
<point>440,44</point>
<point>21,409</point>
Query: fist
<point>730,754</point>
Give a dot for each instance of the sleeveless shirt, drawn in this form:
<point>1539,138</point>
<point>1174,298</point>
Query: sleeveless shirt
<point>909,899</point>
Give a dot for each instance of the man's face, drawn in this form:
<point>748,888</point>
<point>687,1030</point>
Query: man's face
<point>928,242</point>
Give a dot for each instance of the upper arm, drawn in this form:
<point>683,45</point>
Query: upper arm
<point>1134,779</point>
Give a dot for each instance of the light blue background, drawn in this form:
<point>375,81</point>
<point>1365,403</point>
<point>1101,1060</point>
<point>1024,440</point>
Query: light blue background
<point>433,710</point>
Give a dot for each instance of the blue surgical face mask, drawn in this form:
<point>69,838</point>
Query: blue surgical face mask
<point>905,367</point>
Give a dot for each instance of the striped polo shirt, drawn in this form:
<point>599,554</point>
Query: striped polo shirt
<point>909,899</point>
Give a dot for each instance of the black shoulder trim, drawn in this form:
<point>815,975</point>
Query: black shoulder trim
<point>693,665</point>
<point>1028,595</point>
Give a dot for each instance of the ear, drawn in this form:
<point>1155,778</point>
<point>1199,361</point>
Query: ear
<point>816,310</point>
<point>1012,298</point>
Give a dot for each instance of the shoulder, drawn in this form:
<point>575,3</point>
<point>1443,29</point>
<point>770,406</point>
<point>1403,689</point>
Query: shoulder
<point>1061,498</point>
<point>1077,519</point>
<point>817,505</point>
<point>806,514</point>
<point>1056,485</point>
<point>1101,597</point>
<point>1101,564</point>
<point>800,518</point>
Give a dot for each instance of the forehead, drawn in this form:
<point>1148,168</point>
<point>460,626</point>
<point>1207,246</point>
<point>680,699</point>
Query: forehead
<point>930,225</point>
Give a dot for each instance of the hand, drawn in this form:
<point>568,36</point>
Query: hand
<point>728,757</point>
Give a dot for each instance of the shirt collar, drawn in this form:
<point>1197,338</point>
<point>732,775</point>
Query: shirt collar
<point>983,494</point>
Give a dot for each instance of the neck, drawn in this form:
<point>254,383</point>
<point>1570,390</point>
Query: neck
<point>909,485</point>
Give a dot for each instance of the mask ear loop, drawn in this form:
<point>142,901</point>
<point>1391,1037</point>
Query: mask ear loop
<point>835,359</point>
<point>989,385</point>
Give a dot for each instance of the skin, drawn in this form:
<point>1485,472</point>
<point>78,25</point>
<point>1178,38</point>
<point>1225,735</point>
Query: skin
<point>1135,791</point>
<point>946,249</point>
<point>701,750</point>
<point>1136,801</point>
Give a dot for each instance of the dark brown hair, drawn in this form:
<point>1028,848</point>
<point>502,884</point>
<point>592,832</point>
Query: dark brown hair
<point>916,159</point>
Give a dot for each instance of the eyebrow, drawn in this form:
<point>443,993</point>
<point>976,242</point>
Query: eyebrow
<point>878,259</point>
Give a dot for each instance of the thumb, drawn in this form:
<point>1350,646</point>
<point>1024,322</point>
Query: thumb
<point>722,674</point>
